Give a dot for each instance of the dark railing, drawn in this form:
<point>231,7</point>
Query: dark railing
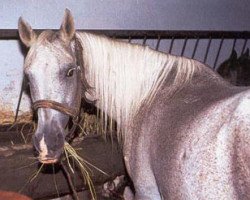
<point>144,35</point>
<point>149,34</point>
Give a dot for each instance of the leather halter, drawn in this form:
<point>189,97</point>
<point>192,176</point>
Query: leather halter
<point>73,112</point>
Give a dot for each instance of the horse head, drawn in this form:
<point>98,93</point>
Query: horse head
<point>244,69</point>
<point>53,75</point>
<point>228,68</point>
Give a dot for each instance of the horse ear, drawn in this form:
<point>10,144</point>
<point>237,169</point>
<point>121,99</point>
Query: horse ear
<point>67,30</point>
<point>246,53</point>
<point>26,33</point>
<point>233,55</point>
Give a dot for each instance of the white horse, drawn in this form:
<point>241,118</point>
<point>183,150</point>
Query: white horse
<point>185,131</point>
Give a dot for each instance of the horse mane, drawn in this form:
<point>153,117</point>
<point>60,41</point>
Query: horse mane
<point>132,73</point>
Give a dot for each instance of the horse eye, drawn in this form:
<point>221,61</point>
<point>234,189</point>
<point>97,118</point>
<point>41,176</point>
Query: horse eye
<point>70,72</point>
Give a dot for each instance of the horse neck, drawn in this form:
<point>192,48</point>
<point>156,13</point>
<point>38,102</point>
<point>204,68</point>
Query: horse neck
<point>126,76</point>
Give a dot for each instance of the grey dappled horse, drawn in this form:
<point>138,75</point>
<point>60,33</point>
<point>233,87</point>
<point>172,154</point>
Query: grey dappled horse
<point>185,131</point>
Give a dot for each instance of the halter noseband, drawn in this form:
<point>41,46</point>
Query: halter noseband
<point>72,112</point>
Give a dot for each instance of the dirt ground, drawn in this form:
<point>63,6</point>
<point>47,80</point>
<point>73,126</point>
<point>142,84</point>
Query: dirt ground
<point>16,168</point>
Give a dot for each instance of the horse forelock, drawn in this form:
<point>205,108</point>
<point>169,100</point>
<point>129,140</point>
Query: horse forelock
<point>126,76</point>
<point>48,40</point>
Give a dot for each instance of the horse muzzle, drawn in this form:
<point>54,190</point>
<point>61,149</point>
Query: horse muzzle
<point>49,146</point>
<point>48,157</point>
<point>48,141</point>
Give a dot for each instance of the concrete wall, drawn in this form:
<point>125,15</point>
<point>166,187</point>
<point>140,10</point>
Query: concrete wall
<point>108,14</point>
<point>130,14</point>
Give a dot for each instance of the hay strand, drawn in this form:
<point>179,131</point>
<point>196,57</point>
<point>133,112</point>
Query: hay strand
<point>32,177</point>
<point>82,165</point>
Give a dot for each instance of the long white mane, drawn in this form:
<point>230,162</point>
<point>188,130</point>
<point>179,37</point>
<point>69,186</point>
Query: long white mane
<point>126,76</point>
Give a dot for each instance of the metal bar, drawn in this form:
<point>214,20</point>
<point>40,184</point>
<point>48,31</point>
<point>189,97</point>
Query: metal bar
<point>20,98</point>
<point>129,39</point>
<point>184,47</point>
<point>234,43</point>
<point>195,47</point>
<point>218,53</point>
<point>171,45</point>
<point>158,42</point>
<point>140,34</point>
<point>207,50</point>
<point>244,46</point>
<point>144,40</point>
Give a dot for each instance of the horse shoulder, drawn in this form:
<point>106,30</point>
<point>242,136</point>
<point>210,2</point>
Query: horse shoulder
<point>137,159</point>
<point>233,149</point>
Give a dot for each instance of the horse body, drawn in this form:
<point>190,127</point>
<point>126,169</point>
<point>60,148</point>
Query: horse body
<point>186,138</point>
<point>190,147</point>
<point>184,130</point>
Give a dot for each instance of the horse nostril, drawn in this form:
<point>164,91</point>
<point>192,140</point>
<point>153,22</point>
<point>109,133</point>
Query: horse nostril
<point>54,141</point>
<point>49,145</point>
